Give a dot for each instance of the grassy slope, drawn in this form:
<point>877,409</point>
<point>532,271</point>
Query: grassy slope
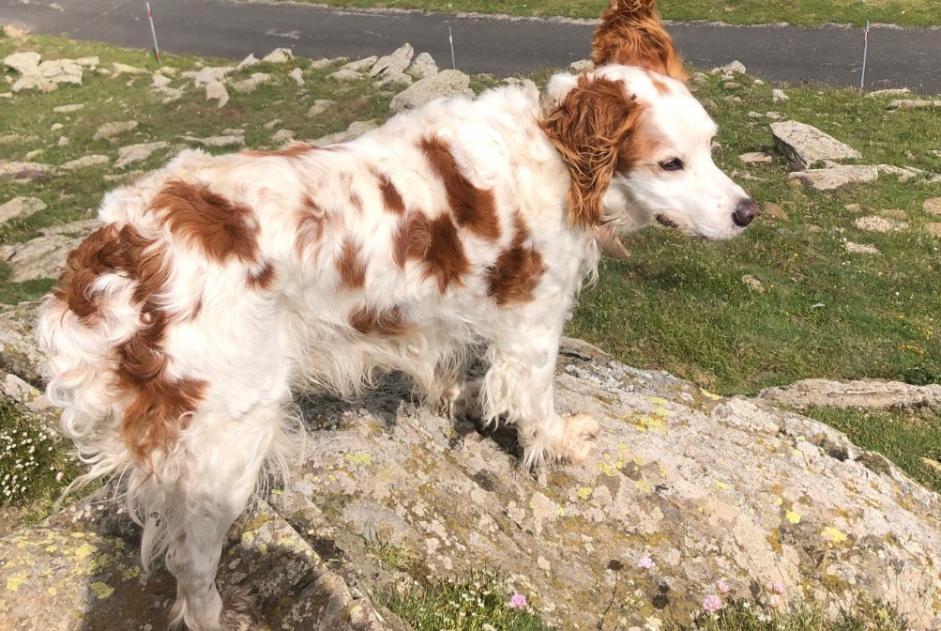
<point>803,12</point>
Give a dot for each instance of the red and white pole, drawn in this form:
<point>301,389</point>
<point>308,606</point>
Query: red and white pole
<point>153,32</point>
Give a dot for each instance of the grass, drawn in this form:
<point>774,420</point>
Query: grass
<point>800,12</point>
<point>912,440</point>
<point>744,616</point>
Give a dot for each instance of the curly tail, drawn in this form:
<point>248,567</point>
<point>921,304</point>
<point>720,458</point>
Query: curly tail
<point>632,34</point>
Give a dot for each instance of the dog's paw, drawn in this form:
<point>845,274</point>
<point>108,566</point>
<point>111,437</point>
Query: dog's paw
<point>578,438</point>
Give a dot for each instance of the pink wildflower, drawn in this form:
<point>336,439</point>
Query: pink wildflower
<point>645,563</point>
<point>723,587</point>
<point>519,601</point>
<point>778,588</point>
<point>711,603</point>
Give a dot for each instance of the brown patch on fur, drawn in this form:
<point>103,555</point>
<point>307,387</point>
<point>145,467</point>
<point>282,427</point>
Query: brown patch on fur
<point>436,244</point>
<point>640,146</point>
<point>294,150</point>
<point>369,320</point>
<point>222,228</point>
<point>263,279</point>
<point>516,272</point>
<point>473,208</point>
<point>155,403</point>
<point>390,196</point>
<point>350,267</point>
<point>632,34</point>
<point>589,129</point>
<point>310,225</point>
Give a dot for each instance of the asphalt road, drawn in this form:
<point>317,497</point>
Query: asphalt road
<point>897,57</point>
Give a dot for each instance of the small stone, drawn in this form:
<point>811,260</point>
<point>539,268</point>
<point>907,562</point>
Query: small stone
<point>218,141</point>
<point>934,229</point>
<point>875,223</point>
<point>731,85</point>
<point>394,63</point>
<point>889,92</point>
<point>320,64</point>
<point>110,130</point>
<point>804,145</point>
<point>758,157</point>
<point>582,65</point>
<point>360,65</point>
<point>283,136</point>
<point>248,62</point>
<point>734,100</point>
<point>56,127</point>
<point>209,74</point>
<point>319,107</point>
<point>215,91</point>
<point>833,178</point>
<point>446,83</point>
<point>22,171</point>
<point>23,63</point>
<point>773,115</point>
<point>345,74</point>
<point>853,208</point>
<point>20,206</point>
<point>753,283</point>
<point>63,141</point>
<point>779,96</point>
<point>249,85</point>
<point>137,153</point>
<point>297,76</point>
<point>120,69</point>
<point>860,248</point>
<point>91,61</point>
<point>272,123</point>
<point>68,109</point>
<point>932,206</point>
<point>86,162</point>
<point>736,67</point>
<point>160,81</point>
<point>279,56</point>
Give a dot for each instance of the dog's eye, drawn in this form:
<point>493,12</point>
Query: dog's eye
<point>672,165</point>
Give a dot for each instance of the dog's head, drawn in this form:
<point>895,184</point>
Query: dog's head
<point>637,144</point>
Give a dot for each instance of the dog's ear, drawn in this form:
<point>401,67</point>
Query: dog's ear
<point>588,128</point>
<point>632,34</point>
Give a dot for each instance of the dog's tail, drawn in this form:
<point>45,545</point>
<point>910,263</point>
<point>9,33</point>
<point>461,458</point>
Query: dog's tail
<point>632,34</point>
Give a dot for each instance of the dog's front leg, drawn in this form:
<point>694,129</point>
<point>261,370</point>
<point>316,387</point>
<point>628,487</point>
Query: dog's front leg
<point>518,385</point>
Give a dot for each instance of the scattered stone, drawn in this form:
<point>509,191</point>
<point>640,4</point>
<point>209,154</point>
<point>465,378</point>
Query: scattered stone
<point>446,83</point>
<point>773,115</point>
<point>63,141</point>
<point>215,91</point>
<point>393,64</point>
<point>758,157</point>
<point>904,174</point>
<point>758,82</point>
<point>875,223</point>
<point>853,208</point>
<point>111,130</point>
<point>932,206</point>
<point>88,62</point>
<point>753,283</point>
<point>56,127</point>
<point>754,115</point>
<point>890,92</point>
<point>734,100</point>
<point>209,74</point>
<point>736,67</point>
<point>731,85</point>
<point>42,257</point>
<point>355,130</point>
<point>320,64</point>
<point>934,229</point>
<point>860,248</point>
<point>20,206</point>
<point>68,109</point>
<point>915,104</point>
<point>319,107</point>
<point>279,56</point>
<point>137,153</point>
<point>218,141</point>
<point>22,172</point>
<point>283,136</point>
<point>15,32</point>
<point>272,123</point>
<point>344,74</point>
<point>872,394</point>
<point>23,63</point>
<point>360,65</point>
<point>249,85</point>
<point>297,76</point>
<point>86,162</point>
<point>248,62</point>
<point>804,146</point>
<point>774,211</point>
<point>833,178</point>
<point>779,96</point>
<point>159,81</point>
<point>48,75</point>
<point>582,65</point>
<point>121,69</point>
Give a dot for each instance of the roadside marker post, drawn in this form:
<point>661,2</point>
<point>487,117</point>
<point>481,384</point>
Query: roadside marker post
<point>862,79</point>
<point>451,42</point>
<point>153,32</point>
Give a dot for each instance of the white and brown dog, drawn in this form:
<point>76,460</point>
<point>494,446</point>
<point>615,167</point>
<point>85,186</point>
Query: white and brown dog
<point>217,284</point>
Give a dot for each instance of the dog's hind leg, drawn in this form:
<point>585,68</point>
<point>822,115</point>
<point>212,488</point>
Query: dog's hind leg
<point>519,385</point>
<point>210,479</point>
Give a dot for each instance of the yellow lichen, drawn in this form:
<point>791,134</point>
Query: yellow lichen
<point>358,458</point>
<point>101,590</point>
<point>584,493</point>
<point>793,517</point>
<point>84,550</point>
<point>14,582</point>
<point>833,534</point>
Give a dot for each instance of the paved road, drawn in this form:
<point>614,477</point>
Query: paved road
<point>898,57</point>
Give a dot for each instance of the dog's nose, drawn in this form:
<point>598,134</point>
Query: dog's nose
<point>745,212</point>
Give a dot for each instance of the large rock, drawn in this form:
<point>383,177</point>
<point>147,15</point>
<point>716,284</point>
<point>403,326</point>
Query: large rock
<point>18,207</point>
<point>44,256</point>
<point>422,66</point>
<point>22,171</point>
<point>444,84</point>
<point>805,146</point>
<point>23,63</point>
<point>395,63</point>
<point>866,393</point>
<point>833,178</point>
<point>683,489</point>
<point>110,130</point>
<point>137,153</point>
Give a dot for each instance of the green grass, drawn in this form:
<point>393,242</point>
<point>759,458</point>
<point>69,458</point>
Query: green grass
<point>34,467</point>
<point>479,603</point>
<point>911,440</point>
<point>743,616</point>
<point>802,12</point>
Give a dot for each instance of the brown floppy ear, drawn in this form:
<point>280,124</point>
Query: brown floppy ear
<point>632,34</point>
<point>587,129</point>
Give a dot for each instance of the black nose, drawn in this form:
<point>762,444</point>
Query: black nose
<point>745,212</point>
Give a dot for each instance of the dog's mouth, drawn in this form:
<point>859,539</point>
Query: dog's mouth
<point>663,220</point>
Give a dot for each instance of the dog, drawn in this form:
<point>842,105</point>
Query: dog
<point>218,284</point>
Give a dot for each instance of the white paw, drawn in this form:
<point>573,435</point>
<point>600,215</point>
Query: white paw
<point>578,438</point>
